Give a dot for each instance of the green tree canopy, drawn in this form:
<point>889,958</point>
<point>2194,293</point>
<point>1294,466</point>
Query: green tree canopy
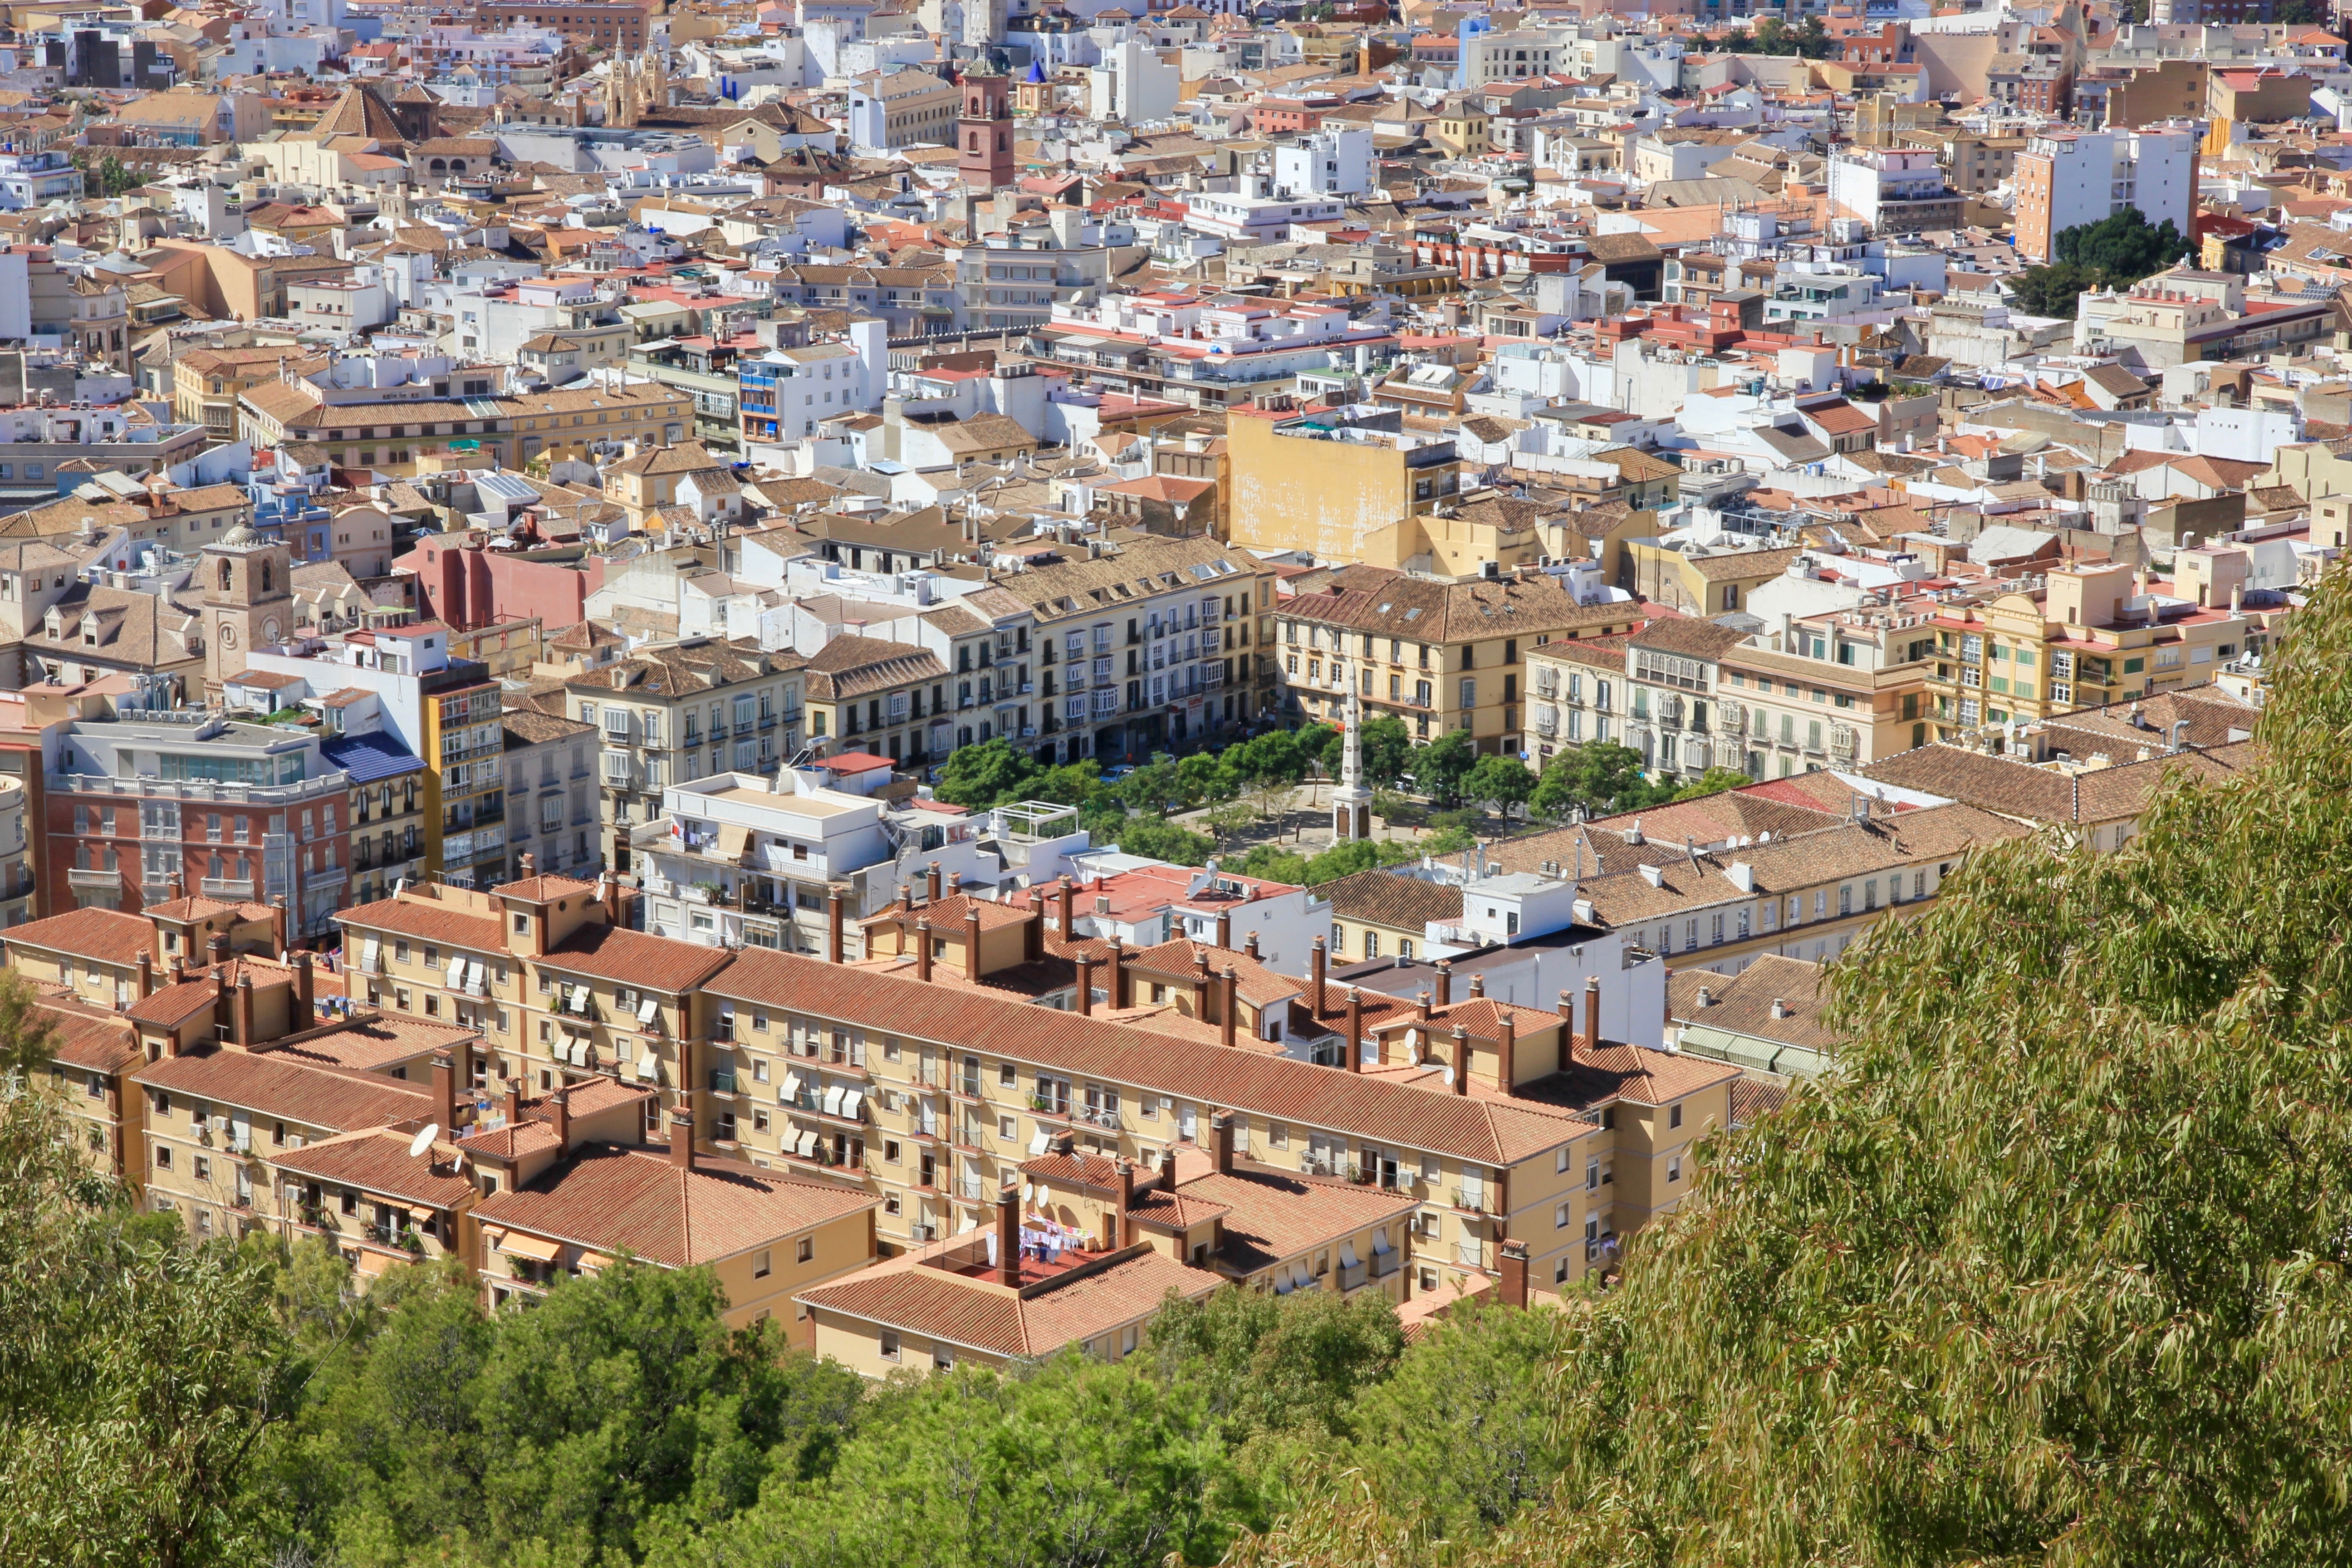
<point>1158,840</point>
<point>2054,1270</point>
<point>986,774</point>
<point>1440,768</point>
<point>1497,782</point>
<point>1600,777</point>
<point>1715,780</point>
<point>2122,248</point>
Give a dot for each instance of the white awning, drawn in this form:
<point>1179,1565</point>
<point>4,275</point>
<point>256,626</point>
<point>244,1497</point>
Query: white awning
<point>808,1145</point>
<point>850,1102</point>
<point>833,1099</point>
<point>457,969</point>
<point>791,1085</point>
<point>370,951</point>
<point>1379,1243</point>
<point>649,1068</point>
<point>1037,1143</point>
<point>648,1010</point>
<point>473,972</point>
<point>1346,1255</point>
<point>1282,1286</point>
<point>580,998</point>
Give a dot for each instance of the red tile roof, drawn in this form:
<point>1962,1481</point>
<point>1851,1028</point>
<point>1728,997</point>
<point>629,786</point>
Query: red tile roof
<point>107,936</point>
<point>981,1315</point>
<point>613,1198</point>
<point>282,1085</point>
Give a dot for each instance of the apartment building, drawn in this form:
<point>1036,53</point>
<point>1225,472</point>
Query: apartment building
<point>737,860</point>
<point>2087,637</point>
<point>1439,655</point>
<point>2067,178</point>
<point>1344,486</point>
<point>683,710</point>
<point>388,812</point>
<point>552,812</point>
<point>207,383</point>
<point>508,430</point>
<point>1146,644</point>
<point>890,698</point>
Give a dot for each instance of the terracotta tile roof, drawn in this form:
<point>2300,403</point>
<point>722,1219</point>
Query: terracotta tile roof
<point>1382,898</point>
<point>107,936</point>
<point>947,916</point>
<point>2015,788</point>
<point>370,1043</point>
<point>379,1161</point>
<point>416,914</point>
<point>1374,600</point>
<point>172,1005</point>
<point>1254,981</point>
<point>637,960</point>
<point>1742,1003</point>
<point>277,1085</point>
<point>542,889</point>
<point>850,667</point>
<point>1273,1215</point>
<point>982,1316</point>
<point>610,1197</point>
<point>1289,1091</point>
<point>90,1038</point>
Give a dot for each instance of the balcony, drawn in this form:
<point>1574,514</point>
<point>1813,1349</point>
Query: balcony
<point>102,880</point>
<point>1354,1276</point>
<point>1470,1254</point>
<point>1471,1198</point>
<point>1384,1264</point>
<point>722,1081</point>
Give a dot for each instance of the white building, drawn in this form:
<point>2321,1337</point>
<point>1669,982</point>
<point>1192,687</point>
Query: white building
<point>1133,84</point>
<point>2068,178</point>
<point>1333,163</point>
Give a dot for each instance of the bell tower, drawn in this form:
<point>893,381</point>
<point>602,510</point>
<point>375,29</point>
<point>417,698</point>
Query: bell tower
<point>248,601</point>
<point>984,133</point>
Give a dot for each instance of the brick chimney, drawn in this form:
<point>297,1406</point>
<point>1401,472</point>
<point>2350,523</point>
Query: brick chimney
<point>1507,1053</point>
<point>1067,892</point>
<point>277,942</point>
<point>306,1013</point>
<point>1511,1263</point>
<point>681,1139</point>
<point>612,898</point>
<point>1116,984</point>
<point>1567,1030</point>
<point>216,948</point>
<point>1461,1059</point>
<point>1318,963</point>
<point>179,970</point>
<point>147,977</point>
<point>243,1028</point>
<point>1445,982</point>
<point>1086,985</point>
<point>1167,1168</point>
<point>906,898</point>
<point>1224,928</point>
<point>1033,930</point>
<point>1353,1047</point>
<point>971,939</point>
<point>1228,1010</point>
<point>445,1092</point>
<point>931,886</point>
<point>178,886</point>
<point>1221,1136</point>
<point>559,1116</point>
<point>527,864</point>
<point>1119,1232</point>
<point>1591,1014</point>
<point>510,1096</point>
<point>923,951</point>
<point>1421,996</point>
<point>1008,1237</point>
<point>836,918</point>
<point>1249,944</point>
<point>1477,986</point>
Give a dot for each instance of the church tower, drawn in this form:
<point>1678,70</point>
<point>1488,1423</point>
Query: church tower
<point>249,602</point>
<point>984,135</point>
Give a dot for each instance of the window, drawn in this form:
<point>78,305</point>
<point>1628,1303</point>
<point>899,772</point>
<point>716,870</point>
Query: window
<point>761,1262</point>
<point>1674,1168</point>
<point>1675,1116</point>
<point>943,1358</point>
<point>162,1158</point>
<point>889,1344</point>
<point>805,1251</point>
<point>1561,1218</point>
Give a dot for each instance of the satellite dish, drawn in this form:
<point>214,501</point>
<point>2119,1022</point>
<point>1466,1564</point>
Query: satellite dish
<point>423,1139</point>
<point>1445,1075</point>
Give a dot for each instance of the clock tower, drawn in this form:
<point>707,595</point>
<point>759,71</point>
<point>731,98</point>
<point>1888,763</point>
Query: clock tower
<point>248,601</point>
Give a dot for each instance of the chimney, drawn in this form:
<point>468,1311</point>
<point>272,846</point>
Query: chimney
<point>1780,1008</point>
<point>931,887</point>
<point>612,899</point>
<point>1444,982</point>
<point>972,939</point>
<point>146,976</point>
<point>305,1013</point>
<point>1422,997</point>
<point>1067,892</point>
<point>277,943</point>
<point>1118,1233</point>
<point>836,920</point>
<point>178,886</point>
<point>1477,986</point>
<point>1354,1047</point>
<point>1117,981</point>
<point>216,948</point>
<point>1167,1168</point>
<point>1086,985</point>
<point>1225,928</point>
<point>906,898</point>
<point>1220,1134</point>
<point>1229,1008</point>
<point>955,884</point>
<point>1315,993</point>
<point>559,1116</point>
<point>445,1092</point>
<point>179,969</point>
<point>1507,1048</point>
<point>1008,1238</point>
<point>1591,1014</point>
<point>923,951</point>
<point>1249,944</point>
<point>244,1029</point>
<point>528,863</point>
<point>1461,1059</point>
<point>1033,930</point>
<point>1511,1263</point>
<point>513,1101</point>
<point>681,1138</point>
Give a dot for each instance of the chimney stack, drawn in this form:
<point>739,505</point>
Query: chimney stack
<point>277,942</point>
<point>1421,996</point>
<point>1444,982</point>
<point>971,939</point>
<point>1167,1168</point>
<point>528,865</point>
<point>1086,985</point>
<point>1566,1029</point>
<point>1354,1044</point>
<point>1229,1007</point>
<point>1225,928</point>
<point>1067,892</point>
<point>931,886</point>
<point>512,1096</point>
<point>612,896</point>
<point>445,1092</point>
<point>1507,1048</point>
<point>681,1138</point>
<point>1461,1059</point>
<point>1119,1232</point>
<point>306,1013</point>
<point>1511,1263</point>
<point>178,886</point>
<point>1033,930</point>
<point>837,906</point>
<point>179,969</point>
<point>1315,993</point>
<point>923,951</point>
<point>906,898</point>
<point>1477,986</point>
<point>216,948</point>
<point>243,1034</point>
<point>1008,1237</point>
<point>1249,944</point>
<point>1591,1014</point>
<point>1117,982</point>
<point>1221,1133</point>
<point>146,976</point>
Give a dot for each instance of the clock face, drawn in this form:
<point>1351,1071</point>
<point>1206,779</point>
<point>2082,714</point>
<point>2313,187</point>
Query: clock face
<point>227,635</point>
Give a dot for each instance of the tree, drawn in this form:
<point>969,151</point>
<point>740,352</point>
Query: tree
<point>1157,840</point>
<point>1271,798</point>
<point>1397,810</point>
<point>2122,248</point>
<point>140,1382</point>
<point>1226,822</point>
<point>1386,746</point>
<point>1440,767</point>
<point>1072,783</point>
<point>1274,865</point>
<point>986,774</point>
<point>2053,290</point>
<point>2005,1291</point>
<point>1715,780</point>
<point>1600,778</point>
<point>1497,783</point>
<point>29,1039</point>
